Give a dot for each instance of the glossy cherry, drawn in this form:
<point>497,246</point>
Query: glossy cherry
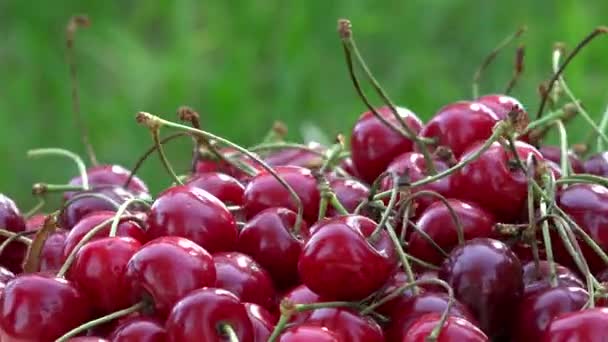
<point>264,191</point>
<point>269,239</point>
<point>139,329</point>
<point>535,281</point>
<point>5,277</point>
<point>35,307</point>
<point>553,153</point>
<point>597,164</point>
<point>308,333</point>
<point>209,163</point>
<point>200,315</point>
<point>168,268</point>
<point>11,219</point>
<point>51,256</point>
<point>110,175</point>
<point>297,157</point>
<point>487,277</point>
<point>341,262</point>
<point>300,295</point>
<point>586,325</point>
<point>349,192</point>
<point>500,104</point>
<point>194,214</point>
<point>263,321</point>
<point>436,221</point>
<point>241,275</point>
<point>347,324</point>
<point>374,145</point>
<point>455,329</point>
<point>226,188</point>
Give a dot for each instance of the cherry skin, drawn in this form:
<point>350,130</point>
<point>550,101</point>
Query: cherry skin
<point>226,188</point>
<point>436,221</point>
<point>110,175</point>
<point>347,324</point>
<point>35,307</point>
<point>11,219</point>
<point>263,321</point>
<point>35,222</point>
<point>5,277</point>
<point>51,256</point>
<point>308,333</point>
<point>487,277</point>
<point>87,339</point>
<point>534,281</point>
<point>168,268</point>
<point>586,325</point>
<point>500,104</point>
<point>297,157</point>
<point>553,153</point>
<point>241,275</point>
<point>460,125</point>
<point>374,145</point>
<point>493,182</point>
<point>597,164</point>
<point>340,251</point>
<point>535,310</point>
<point>455,329</point>
<point>139,329</point>
<point>349,192</point>
<point>194,214</point>
<point>209,163</point>
<point>200,315</point>
<point>300,295</point>
<point>268,239</point>
<point>264,191</point>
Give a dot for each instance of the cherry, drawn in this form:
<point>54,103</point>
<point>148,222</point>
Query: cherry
<point>300,295</point>
<point>87,339</point>
<point>534,281</point>
<point>535,310</point>
<point>139,329</point>
<point>347,324</point>
<point>374,145</point>
<point>51,256</point>
<point>35,307</point>
<point>340,251</point>
<point>493,182</point>
<point>268,239</point>
<point>35,222</point>
<point>194,214</point>
<point>597,164</point>
<point>553,153</point>
<point>109,175</point>
<point>455,329</point>
<point>459,125</point>
<point>437,222</point>
<point>347,165</point>
<point>349,192</point>
<point>226,188</point>
<point>99,271</point>
<point>263,321</point>
<point>167,268</point>
<point>487,277</point>
<point>297,157</point>
<point>586,325</point>
<point>202,314</point>
<point>308,333</point>
<point>500,104</point>
<point>241,275</point>
<point>264,191</point>
<point>208,163</point>
<point>5,277</point>
<point>11,219</point>
<point>399,279</point>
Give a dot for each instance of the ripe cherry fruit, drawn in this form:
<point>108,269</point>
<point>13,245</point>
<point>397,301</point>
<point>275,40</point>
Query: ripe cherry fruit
<point>586,325</point>
<point>455,329</point>
<point>11,219</point>
<point>139,329</point>
<point>347,324</point>
<point>226,188</point>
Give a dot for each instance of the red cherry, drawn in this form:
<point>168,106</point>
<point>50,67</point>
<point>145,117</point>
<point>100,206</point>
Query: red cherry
<point>553,153</point>
<point>210,164</point>
<point>500,104</point>
<point>309,333</point>
<point>349,192</point>
<point>263,322</point>
<point>347,165</point>
<point>460,125</point>
<point>436,221</point>
<point>194,214</point>
<point>455,329</point>
<point>168,268</point>
<point>87,339</point>
<point>200,315</point>
<point>300,295</point>
<point>597,164</point>
<point>587,325</point>
<point>11,219</point>
<point>399,279</point>
<point>241,275</point>
<point>487,277</point>
<point>268,238</point>
<point>535,282</point>
<point>35,222</point>
<point>226,188</point>
<point>493,182</point>
<point>139,329</point>
<point>264,191</point>
<point>109,175</point>
<point>5,277</point>
<point>51,256</point>
<point>374,145</point>
<point>339,262</point>
<point>99,271</point>
<point>297,157</point>
<point>347,324</point>
<point>34,307</point>
<point>535,310</point>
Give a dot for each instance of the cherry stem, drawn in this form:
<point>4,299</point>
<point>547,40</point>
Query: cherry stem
<point>583,178</point>
<point>490,58</point>
<point>546,120</point>
<point>548,245</point>
<point>228,331</point>
<point>389,208</point>
<point>403,257</point>
<point>531,236</point>
<point>36,208</point>
<point>12,237</point>
<point>89,195</point>
<point>284,145</point>
<point>332,156</point>
<point>163,157</point>
<point>82,169</point>
<point>280,326</point>
<point>596,32</point>
<point>73,25</point>
<point>565,166</point>
<point>583,234</point>
<point>102,320</point>
<point>151,120</point>
<point>39,189</point>
<point>428,239</point>
<point>122,210</point>
<point>517,70</point>
<point>602,128</point>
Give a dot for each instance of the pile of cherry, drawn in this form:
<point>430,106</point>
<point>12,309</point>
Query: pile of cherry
<point>463,228</point>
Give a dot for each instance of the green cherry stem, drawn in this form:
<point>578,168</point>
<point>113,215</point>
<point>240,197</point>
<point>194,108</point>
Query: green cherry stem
<point>122,210</point>
<point>163,157</point>
<point>389,208</point>
<point>82,169</point>
<point>602,128</point>
<point>228,331</point>
<point>565,166</point>
<point>36,208</point>
<point>12,237</point>
<point>403,257</point>
<point>531,166</point>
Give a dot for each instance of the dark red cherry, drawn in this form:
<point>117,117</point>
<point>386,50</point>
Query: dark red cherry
<point>99,271</point>
<point>494,182</point>
<point>597,164</point>
<point>347,324</point>
<point>347,165</point>
<point>87,339</point>
<point>35,222</point>
<point>110,175</point>
<point>436,221</point>
<point>264,191</point>
<point>534,281</point>
<point>374,145</point>
<point>11,219</point>
<point>139,329</point>
<point>460,125</point>
<point>194,214</point>
<point>268,238</point>
<point>209,163</point>
<point>588,325</point>
<point>35,307</point>
<point>500,104</point>
<point>341,262</point>
<point>535,310</point>
<point>51,256</point>
<point>349,192</point>
<point>297,157</point>
<point>241,275</point>
<point>300,295</point>
<point>398,280</point>
<point>226,188</point>
<point>125,228</point>
<point>5,277</point>
<point>168,268</point>
<point>200,315</point>
<point>309,333</point>
<point>553,153</point>
<point>487,277</point>
<point>263,321</point>
<point>455,329</point>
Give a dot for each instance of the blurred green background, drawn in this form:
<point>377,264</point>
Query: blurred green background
<point>244,64</point>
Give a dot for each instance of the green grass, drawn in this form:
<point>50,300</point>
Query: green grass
<point>243,64</point>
